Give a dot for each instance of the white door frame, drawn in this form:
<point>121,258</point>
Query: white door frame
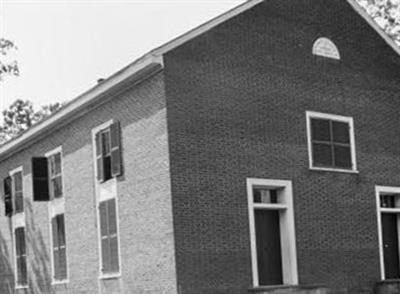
<point>382,190</point>
<point>287,228</point>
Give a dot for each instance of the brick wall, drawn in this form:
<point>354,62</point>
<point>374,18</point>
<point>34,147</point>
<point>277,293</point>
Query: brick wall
<point>236,101</point>
<point>145,214</point>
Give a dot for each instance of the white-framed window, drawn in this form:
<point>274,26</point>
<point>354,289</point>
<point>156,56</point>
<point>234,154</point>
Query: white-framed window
<point>331,143</point>
<point>56,205</point>
<point>107,161</point>
<point>272,232</point>
<point>13,190</point>
<point>388,216</point>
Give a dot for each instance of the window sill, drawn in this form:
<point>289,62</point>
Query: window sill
<point>109,276</point>
<point>338,170</point>
<point>21,287</point>
<point>59,282</point>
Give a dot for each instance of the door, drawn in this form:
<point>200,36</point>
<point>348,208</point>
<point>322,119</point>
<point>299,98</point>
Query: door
<point>269,256</point>
<point>390,245</point>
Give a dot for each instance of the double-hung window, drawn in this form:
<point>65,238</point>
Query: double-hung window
<point>108,166</point>
<point>331,142</point>
<point>20,256</point>
<point>57,216</point>
<point>14,208</point>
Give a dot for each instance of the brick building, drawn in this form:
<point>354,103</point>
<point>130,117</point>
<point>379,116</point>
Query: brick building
<point>257,153</point>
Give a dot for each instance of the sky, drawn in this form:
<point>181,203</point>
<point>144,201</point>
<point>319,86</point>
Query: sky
<point>65,46</point>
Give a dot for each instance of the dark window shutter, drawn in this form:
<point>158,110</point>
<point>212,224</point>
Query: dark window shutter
<point>8,196</point>
<point>99,158</point>
<point>40,179</point>
<point>116,162</point>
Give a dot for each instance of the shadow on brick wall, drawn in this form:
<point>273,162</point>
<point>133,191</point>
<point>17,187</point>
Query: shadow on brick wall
<point>39,263</point>
<point>6,270</point>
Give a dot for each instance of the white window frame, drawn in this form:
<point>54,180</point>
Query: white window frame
<point>18,221</point>
<point>382,190</point>
<point>287,227</point>
<point>334,117</point>
<point>105,191</point>
<point>56,206</point>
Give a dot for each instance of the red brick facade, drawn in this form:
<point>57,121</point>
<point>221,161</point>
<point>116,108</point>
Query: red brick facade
<point>237,98</point>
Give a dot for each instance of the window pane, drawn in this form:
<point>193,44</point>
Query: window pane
<point>320,129</point>
<point>22,271</point>
<point>322,154</point>
<point>103,219</point>
<point>387,201</point>
<point>19,202</point>
<point>340,132</point>
<point>56,260</point>
<point>18,181</point>
<point>62,262</point>
<point>54,228</point>
<point>114,264</point>
<point>342,157</point>
<point>57,163</point>
<point>105,141</point>
<point>20,241</point>
<point>107,168</point>
<point>61,230</point>
<point>265,195</point>
<point>105,254</point>
<point>56,186</point>
<point>112,220</point>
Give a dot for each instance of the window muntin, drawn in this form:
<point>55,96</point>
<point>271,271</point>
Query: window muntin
<point>331,142</point>
<point>55,175</point>
<point>20,250</point>
<point>109,237</point>
<point>59,248</point>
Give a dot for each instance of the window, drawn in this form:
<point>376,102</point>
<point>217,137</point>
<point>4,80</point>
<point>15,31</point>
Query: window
<point>20,250</point>
<point>55,176</point>
<point>59,248</point>
<point>330,142</point>
<point>57,215</point>
<point>109,237</point>
<point>108,153</point>
<point>13,193</point>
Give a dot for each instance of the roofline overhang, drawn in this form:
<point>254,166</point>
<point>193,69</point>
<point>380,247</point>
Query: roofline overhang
<point>139,70</point>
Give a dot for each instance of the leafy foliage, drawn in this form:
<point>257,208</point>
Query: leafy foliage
<point>7,67</point>
<point>20,116</point>
<point>386,14</point>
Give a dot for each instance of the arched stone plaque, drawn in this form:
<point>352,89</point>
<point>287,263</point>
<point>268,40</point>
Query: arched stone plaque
<point>325,48</point>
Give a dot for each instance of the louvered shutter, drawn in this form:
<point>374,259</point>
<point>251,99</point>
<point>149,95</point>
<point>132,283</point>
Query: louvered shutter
<point>116,162</point>
<point>99,158</point>
<point>62,248</point>
<point>40,179</point>
<point>56,262</point>
<point>8,196</point>
<point>113,236</point>
<point>105,247</point>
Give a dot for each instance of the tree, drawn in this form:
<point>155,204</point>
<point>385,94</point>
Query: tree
<point>7,67</point>
<point>386,13</point>
<point>20,116</point>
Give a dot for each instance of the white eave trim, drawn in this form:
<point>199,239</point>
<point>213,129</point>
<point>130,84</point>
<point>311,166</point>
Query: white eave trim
<point>82,101</point>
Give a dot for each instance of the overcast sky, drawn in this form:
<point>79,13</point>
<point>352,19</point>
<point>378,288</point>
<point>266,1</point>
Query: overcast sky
<point>65,46</point>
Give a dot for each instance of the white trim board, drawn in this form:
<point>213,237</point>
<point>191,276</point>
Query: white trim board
<point>287,227</point>
<point>333,117</point>
<point>384,190</point>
